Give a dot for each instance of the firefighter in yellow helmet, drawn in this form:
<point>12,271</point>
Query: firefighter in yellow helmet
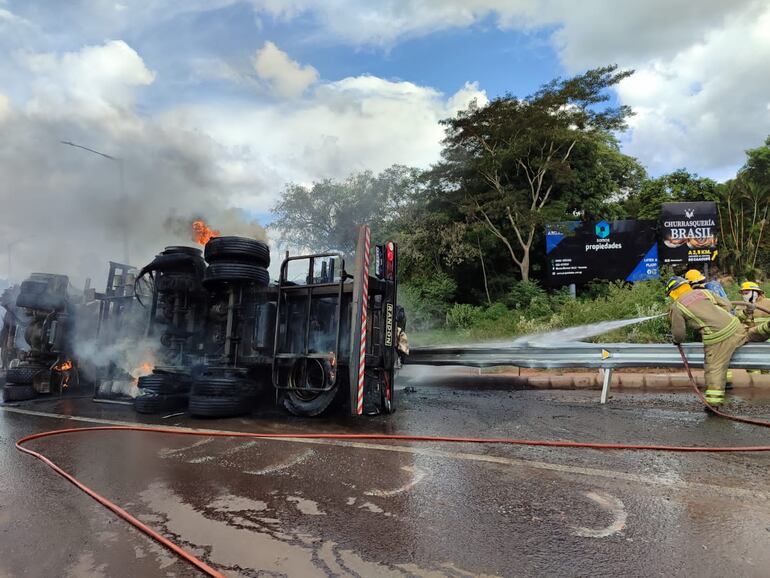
<point>721,332</point>
<point>753,314</point>
<point>695,278</point>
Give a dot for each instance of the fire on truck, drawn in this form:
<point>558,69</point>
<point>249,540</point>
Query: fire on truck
<point>226,337</point>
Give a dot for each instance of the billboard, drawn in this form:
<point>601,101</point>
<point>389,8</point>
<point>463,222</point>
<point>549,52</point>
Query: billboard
<point>688,233</point>
<point>578,252</point>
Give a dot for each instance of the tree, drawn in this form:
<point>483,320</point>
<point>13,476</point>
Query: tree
<point>743,211</point>
<point>326,215</point>
<point>509,162</point>
<point>679,186</point>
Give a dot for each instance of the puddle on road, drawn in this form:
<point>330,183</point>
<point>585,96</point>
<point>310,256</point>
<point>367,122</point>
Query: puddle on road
<point>237,543</point>
<point>307,507</point>
<point>230,503</point>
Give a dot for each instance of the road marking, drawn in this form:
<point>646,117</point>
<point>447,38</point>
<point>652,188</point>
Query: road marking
<point>681,485</point>
<point>615,507</point>
<point>418,474</point>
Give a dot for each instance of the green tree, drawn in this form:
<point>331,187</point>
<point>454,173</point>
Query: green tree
<point>679,186</point>
<point>509,162</point>
<point>326,215</point>
<point>743,211</point>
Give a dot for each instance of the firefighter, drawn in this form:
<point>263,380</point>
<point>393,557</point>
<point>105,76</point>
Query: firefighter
<point>402,341</point>
<point>696,279</point>
<point>753,294</point>
<point>722,333</point>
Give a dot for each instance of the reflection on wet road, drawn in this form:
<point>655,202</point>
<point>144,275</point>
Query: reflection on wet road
<point>343,508</point>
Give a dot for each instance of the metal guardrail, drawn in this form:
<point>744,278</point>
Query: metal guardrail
<point>607,356</point>
<point>592,355</point>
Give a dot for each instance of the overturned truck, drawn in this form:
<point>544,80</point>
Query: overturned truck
<point>228,338</point>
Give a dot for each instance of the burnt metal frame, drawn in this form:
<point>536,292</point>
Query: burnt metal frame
<point>307,288</point>
<point>111,305</point>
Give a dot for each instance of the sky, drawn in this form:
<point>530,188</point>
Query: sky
<point>214,105</point>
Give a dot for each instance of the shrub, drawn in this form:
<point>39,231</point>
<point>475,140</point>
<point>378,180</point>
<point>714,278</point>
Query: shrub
<point>426,300</point>
<point>461,316</point>
<point>522,293</point>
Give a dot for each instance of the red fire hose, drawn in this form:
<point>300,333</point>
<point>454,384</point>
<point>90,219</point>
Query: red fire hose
<point>201,565</point>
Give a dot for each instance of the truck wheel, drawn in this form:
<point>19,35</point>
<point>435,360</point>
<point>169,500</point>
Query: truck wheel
<point>181,250</point>
<point>218,406</point>
<point>22,375</point>
<point>299,401</point>
<point>13,392</point>
<point>237,250</point>
<point>152,403</point>
<point>236,272</point>
<point>164,383</point>
<point>223,387</point>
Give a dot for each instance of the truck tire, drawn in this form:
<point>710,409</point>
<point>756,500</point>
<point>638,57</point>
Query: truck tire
<point>22,375</point>
<point>164,383</point>
<point>13,392</point>
<point>152,403</point>
<point>223,387</point>
<point>173,262</point>
<point>238,272</point>
<point>218,406</point>
<point>237,250</point>
<point>181,250</point>
<point>309,404</point>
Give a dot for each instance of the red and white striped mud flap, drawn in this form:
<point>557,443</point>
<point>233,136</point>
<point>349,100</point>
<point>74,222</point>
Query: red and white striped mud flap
<point>359,321</point>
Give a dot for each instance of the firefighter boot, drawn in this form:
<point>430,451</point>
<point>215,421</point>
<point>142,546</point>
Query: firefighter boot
<point>715,398</point>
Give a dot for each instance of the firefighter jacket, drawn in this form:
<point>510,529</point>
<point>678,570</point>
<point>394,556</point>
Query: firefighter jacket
<point>752,318</point>
<point>706,312</point>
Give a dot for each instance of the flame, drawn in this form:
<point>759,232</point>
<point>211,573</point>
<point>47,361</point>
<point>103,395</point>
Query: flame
<point>202,233</point>
<point>146,368</point>
<point>66,366</point>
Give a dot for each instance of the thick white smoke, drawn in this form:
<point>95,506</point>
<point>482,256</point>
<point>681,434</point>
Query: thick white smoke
<point>62,209</point>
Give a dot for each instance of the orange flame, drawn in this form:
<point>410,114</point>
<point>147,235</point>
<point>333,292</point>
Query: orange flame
<point>146,368</point>
<point>202,233</point>
<point>66,366</point>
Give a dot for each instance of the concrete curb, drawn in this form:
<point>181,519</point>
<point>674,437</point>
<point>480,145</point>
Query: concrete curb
<point>741,379</point>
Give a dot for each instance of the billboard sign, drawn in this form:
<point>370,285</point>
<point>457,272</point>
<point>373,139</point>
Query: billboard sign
<point>688,233</point>
<point>578,252</point>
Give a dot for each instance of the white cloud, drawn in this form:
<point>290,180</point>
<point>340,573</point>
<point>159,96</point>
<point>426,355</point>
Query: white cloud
<point>702,107</point>
<point>95,80</point>
<point>356,123</point>
<point>700,91</point>
<point>202,159</point>
<point>287,78</point>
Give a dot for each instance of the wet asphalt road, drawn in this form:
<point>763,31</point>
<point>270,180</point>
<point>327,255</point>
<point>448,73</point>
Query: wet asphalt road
<point>331,508</point>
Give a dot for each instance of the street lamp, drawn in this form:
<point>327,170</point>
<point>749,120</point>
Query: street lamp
<point>123,222</point>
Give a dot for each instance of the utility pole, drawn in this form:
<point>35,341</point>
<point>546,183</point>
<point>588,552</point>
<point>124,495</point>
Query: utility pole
<point>121,200</point>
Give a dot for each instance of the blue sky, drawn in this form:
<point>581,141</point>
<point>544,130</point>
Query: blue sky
<point>216,104</point>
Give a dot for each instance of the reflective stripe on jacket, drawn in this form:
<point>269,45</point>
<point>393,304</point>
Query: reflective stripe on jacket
<point>705,312</point>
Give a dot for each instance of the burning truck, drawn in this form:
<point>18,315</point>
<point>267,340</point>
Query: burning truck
<point>227,338</point>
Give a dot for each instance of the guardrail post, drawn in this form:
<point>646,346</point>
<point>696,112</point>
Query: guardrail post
<point>607,371</point>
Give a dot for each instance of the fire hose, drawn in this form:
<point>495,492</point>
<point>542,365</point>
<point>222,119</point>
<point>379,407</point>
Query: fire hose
<point>206,568</point>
